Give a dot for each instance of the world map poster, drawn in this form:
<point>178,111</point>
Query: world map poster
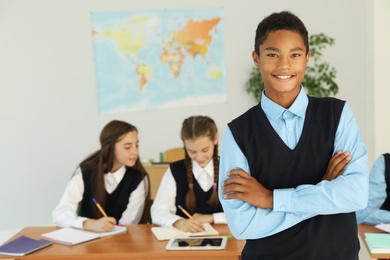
<point>158,59</point>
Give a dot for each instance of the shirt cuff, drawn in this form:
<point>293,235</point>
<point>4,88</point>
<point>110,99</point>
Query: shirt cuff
<point>172,220</point>
<point>219,218</point>
<point>78,223</point>
<point>282,199</point>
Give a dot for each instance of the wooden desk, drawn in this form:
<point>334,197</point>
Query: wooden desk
<point>156,172</point>
<point>371,229</point>
<point>137,243</point>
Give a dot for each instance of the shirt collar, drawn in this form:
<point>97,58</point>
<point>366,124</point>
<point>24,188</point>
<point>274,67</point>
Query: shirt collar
<point>274,111</point>
<point>197,170</point>
<point>118,174</point>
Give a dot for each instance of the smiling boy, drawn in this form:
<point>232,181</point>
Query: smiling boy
<point>293,169</point>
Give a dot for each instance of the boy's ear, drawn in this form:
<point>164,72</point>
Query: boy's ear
<point>308,57</point>
<point>256,59</point>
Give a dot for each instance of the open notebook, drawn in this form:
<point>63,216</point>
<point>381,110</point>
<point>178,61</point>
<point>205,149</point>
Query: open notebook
<point>384,227</point>
<point>166,233</point>
<point>72,236</point>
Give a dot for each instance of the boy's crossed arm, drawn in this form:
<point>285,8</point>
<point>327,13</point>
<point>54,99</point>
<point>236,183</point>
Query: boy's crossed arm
<point>240,185</point>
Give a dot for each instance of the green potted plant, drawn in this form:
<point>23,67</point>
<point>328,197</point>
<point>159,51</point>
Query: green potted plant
<point>319,76</point>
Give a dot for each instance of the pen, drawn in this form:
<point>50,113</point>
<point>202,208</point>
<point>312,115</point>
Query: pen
<point>99,207</point>
<point>184,211</point>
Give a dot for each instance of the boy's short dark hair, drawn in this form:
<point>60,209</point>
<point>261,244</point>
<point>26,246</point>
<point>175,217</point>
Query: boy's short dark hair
<point>284,20</point>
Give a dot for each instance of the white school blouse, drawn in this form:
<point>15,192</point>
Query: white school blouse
<point>163,210</point>
<point>65,215</point>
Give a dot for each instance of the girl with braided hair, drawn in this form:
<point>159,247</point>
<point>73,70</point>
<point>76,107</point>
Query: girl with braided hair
<point>192,182</point>
<point>114,177</point>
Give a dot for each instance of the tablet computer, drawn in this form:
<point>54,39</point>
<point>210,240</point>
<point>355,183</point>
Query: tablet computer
<point>197,243</point>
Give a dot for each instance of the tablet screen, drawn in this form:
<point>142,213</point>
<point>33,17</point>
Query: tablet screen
<point>197,243</point>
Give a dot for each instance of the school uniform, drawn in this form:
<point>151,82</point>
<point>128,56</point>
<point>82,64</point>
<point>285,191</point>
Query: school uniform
<point>182,186</point>
<point>116,201</point>
<point>119,185</point>
<point>173,189</point>
<point>287,151</point>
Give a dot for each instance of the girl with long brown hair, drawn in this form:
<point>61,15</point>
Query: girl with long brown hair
<point>191,183</point>
<point>114,177</point>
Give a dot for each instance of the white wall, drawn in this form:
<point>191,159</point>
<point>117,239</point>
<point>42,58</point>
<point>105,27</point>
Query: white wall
<point>381,86</point>
<point>48,95</point>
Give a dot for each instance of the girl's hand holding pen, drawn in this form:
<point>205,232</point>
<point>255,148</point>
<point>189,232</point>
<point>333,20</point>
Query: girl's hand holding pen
<point>189,225</point>
<point>103,224</point>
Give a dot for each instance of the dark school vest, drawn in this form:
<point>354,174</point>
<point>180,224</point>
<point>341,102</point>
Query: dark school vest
<point>386,204</point>
<point>178,170</point>
<point>117,201</point>
<point>276,166</point>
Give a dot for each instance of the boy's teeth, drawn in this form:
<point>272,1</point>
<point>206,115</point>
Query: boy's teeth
<point>284,77</point>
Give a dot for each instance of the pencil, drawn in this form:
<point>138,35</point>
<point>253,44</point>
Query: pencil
<point>99,207</point>
<point>184,211</point>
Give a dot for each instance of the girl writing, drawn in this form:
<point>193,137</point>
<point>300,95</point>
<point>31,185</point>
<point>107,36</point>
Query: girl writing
<point>191,183</point>
<point>114,177</point>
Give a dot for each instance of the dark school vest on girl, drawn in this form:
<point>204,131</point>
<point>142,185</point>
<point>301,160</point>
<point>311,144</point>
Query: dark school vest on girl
<point>178,170</point>
<point>386,204</point>
<point>117,201</point>
<point>276,166</point>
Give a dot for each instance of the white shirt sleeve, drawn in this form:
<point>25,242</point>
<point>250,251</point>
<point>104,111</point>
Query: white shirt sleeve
<point>65,214</point>
<point>163,210</point>
<point>219,218</point>
<point>135,208</point>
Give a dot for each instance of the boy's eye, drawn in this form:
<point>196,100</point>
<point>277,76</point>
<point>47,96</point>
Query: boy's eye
<point>271,55</point>
<point>296,55</point>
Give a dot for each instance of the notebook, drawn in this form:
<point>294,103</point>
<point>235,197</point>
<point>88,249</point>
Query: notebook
<point>22,246</point>
<point>73,236</point>
<point>166,233</point>
<point>384,227</point>
<point>378,243</point>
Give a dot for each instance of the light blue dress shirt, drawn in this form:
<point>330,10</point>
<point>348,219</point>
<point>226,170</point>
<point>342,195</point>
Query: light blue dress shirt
<point>372,214</point>
<point>347,193</point>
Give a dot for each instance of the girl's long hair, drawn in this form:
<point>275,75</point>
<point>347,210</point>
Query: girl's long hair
<point>102,161</point>
<point>192,128</point>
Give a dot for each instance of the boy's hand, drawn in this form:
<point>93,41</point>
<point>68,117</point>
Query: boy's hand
<point>337,165</point>
<point>244,187</point>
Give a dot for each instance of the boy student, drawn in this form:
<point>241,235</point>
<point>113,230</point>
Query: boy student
<point>293,169</point>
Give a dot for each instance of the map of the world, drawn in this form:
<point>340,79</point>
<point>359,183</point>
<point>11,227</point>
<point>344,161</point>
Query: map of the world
<point>158,59</point>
